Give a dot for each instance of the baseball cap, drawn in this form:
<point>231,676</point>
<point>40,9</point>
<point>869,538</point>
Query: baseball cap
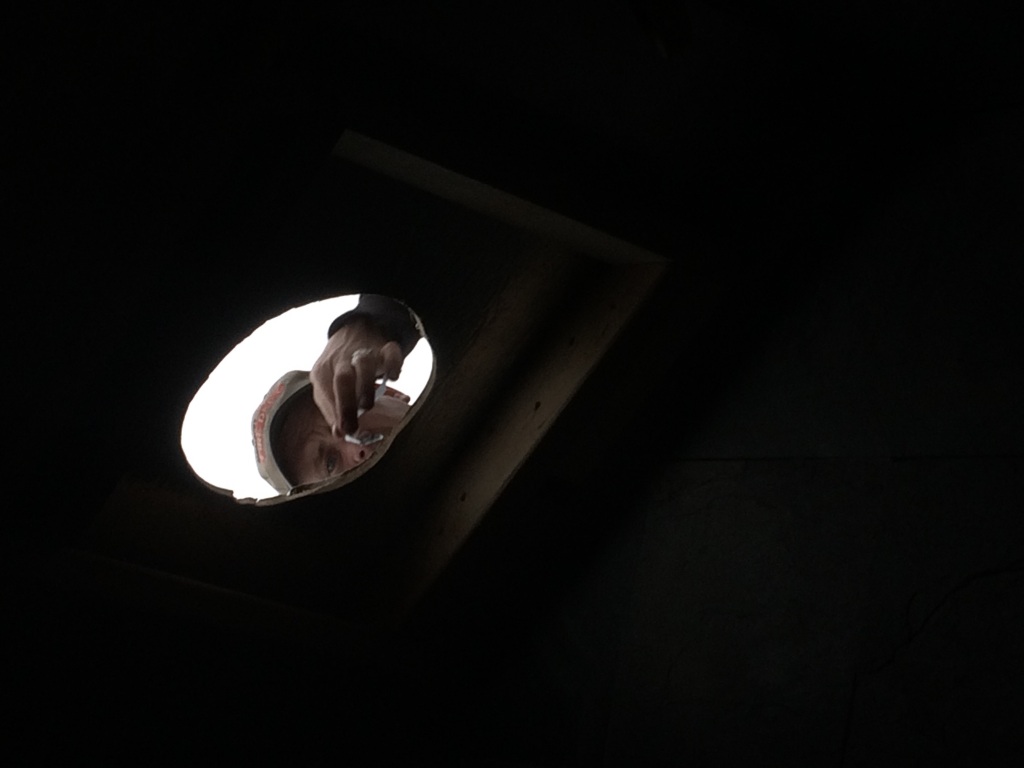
<point>267,422</point>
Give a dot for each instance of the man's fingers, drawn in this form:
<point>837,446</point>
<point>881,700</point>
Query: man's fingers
<point>366,367</point>
<point>345,379</point>
<point>391,359</point>
<point>344,388</point>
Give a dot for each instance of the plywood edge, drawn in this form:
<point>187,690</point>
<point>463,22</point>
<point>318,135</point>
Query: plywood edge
<point>487,464</point>
<point>477,196</point>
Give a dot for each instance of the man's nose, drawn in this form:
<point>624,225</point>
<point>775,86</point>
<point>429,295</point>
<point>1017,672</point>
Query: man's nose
<point>355,454</point>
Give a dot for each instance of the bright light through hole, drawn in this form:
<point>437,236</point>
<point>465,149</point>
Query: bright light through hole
<point>216,434</point>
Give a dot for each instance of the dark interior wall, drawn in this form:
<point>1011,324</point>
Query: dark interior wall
<point>812,555</point>
<point>816,555</point>
<point>835,611</point>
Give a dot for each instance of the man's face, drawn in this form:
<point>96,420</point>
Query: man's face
<point>309,453</point>
<point>306,449</point>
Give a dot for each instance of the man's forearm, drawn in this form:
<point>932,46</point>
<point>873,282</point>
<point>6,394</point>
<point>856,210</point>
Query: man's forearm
<point>390,317</point>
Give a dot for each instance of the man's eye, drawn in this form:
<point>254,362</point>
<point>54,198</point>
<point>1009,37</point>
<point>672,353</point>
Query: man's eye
<point>331,462</point>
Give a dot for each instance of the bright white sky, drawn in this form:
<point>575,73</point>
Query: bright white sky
<point>216,434</point>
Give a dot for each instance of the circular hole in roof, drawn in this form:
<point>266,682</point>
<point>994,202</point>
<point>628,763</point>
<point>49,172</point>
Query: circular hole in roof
<point>217,433</point>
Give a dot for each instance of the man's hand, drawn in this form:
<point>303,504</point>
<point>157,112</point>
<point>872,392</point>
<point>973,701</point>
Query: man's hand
<point>344,376</point>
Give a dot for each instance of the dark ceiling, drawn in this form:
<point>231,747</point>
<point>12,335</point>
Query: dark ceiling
<point>158,152</point>
<point>161,157</point>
